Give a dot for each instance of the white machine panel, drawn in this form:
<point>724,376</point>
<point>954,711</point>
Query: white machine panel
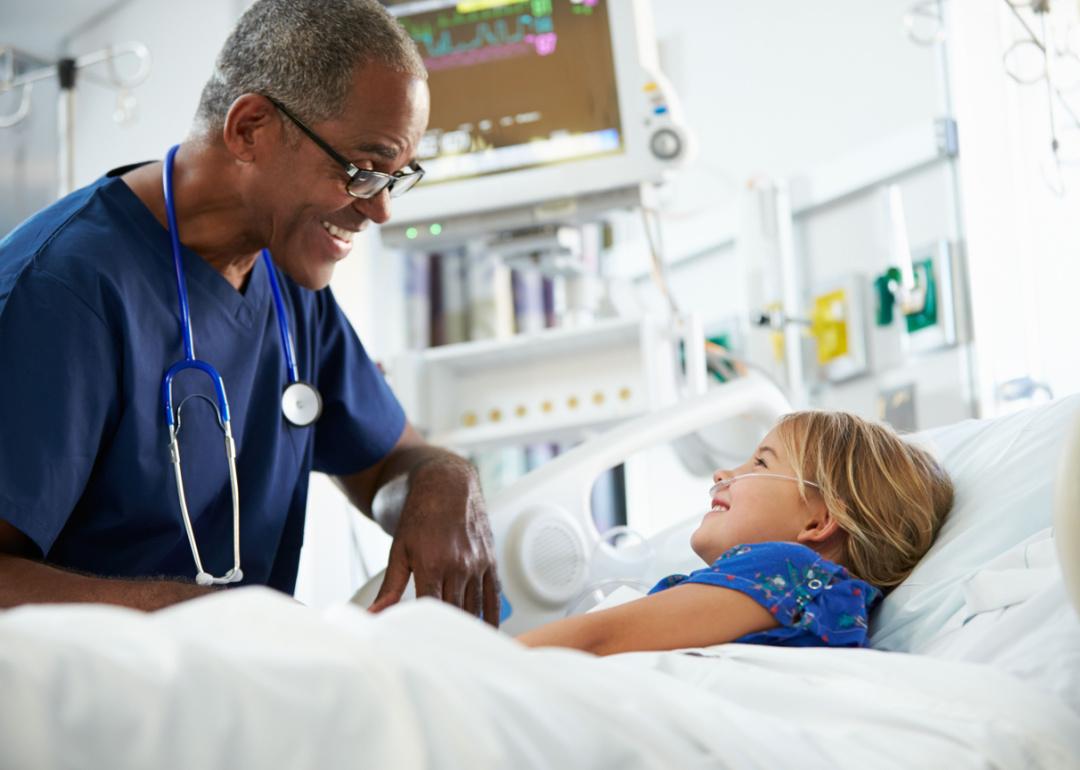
<point>556,385</point>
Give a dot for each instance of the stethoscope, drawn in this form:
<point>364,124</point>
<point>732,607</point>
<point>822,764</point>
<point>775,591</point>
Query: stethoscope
<point>300,402</point>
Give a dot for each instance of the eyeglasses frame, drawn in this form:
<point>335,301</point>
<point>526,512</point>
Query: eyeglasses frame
<point>348,166</point>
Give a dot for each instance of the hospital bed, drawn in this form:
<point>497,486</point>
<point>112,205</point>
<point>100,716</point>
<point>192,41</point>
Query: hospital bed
<point>989,622</point>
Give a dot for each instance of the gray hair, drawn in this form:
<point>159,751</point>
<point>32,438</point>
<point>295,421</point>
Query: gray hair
<point>304,53</point>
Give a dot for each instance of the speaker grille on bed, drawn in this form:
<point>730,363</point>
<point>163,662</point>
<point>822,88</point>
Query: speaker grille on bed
<point>551,555</point>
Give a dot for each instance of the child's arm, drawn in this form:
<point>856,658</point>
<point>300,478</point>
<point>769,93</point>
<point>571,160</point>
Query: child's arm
<point>692,615</point>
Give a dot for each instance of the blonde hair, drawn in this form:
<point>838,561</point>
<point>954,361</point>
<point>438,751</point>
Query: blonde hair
<point>888,496</point>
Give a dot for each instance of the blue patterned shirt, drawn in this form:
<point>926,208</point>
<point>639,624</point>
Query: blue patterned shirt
<point>816,602</point>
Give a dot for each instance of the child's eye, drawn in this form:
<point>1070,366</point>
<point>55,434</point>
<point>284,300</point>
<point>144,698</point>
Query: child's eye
<point>759,461</point>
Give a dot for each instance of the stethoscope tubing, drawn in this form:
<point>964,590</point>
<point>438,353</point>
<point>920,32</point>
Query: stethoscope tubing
<point>174,236</point>
<point>283,326</point>
<point>301,403</point>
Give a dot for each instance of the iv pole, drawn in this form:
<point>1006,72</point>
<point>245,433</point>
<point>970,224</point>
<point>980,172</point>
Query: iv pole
<point>66,70</point>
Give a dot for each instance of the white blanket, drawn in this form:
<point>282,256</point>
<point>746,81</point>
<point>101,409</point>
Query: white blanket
<point>248,678</point>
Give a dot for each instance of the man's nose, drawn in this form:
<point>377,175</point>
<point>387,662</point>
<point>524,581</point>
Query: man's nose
<point>376,208</point>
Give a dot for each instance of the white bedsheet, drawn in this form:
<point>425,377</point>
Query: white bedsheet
<point>247,678</point>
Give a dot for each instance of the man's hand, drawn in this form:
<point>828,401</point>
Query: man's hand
<point>444,539</point>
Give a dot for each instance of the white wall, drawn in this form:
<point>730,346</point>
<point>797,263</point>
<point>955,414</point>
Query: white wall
<point>774,87</point>
<point>1024,239</point>
<point>28,156</point>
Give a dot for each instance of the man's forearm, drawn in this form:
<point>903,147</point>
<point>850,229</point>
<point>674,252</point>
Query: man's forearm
<point>24,581</point>
<point>395,484</point>
<point>425,458</point>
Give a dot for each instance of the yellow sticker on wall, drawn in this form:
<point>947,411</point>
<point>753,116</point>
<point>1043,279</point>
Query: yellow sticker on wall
<point>828,325</point>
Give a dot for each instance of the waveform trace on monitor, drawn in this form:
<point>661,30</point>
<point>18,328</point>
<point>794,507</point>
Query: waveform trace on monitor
<point>492,38</point>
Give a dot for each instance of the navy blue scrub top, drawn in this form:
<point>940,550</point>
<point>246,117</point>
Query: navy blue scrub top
<point>88,325</point>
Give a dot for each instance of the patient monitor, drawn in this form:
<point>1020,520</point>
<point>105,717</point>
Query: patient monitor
<point>541,111</point>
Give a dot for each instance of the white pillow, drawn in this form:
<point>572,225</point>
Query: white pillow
<point>1017,618</point>
<point>1003,470</point>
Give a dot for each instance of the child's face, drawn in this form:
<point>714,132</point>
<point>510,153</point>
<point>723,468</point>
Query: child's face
<point>756,510</point>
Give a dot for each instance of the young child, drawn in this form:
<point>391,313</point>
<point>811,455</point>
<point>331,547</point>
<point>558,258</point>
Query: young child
<point>800,541</point>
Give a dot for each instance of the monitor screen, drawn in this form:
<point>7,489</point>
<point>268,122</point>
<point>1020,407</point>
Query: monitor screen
<point>514,85</point>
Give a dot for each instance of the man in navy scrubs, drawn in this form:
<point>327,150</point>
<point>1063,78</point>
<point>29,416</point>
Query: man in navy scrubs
<point>89,323</point>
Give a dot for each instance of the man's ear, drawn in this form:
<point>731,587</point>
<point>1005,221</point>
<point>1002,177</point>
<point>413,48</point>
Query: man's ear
<point>251,120</point>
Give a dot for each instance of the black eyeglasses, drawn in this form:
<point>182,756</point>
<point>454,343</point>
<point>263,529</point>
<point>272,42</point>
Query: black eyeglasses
<point>363,183</point>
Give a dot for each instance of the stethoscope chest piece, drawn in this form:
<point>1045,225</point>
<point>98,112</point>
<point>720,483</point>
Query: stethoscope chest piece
<point>301,404</point>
